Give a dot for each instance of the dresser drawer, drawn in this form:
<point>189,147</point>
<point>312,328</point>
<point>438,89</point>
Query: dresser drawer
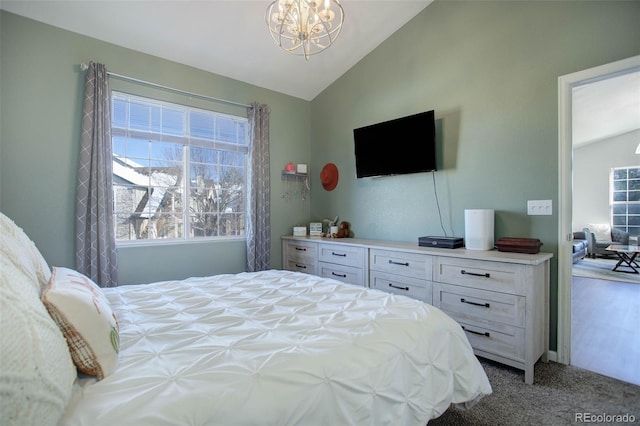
<point>406,286</point>
<point>481,304</point>
<point>493,276</point>
<point>494,339</point>
<point>303,251</point>
<point>405,264</point>
<point>300,266</point>
<point>346,274</point>
<point>342,254</point>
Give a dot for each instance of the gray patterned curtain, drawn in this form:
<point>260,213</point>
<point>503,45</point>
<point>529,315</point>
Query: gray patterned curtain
<point>95,237</point>
<point>259,188</point>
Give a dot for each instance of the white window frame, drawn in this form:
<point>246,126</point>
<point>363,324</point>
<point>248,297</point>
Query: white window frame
<point>188,141</point>
<point>633,230</point>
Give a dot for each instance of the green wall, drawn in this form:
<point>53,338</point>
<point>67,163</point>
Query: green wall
<point>490,71</point>
<point>41,88</point>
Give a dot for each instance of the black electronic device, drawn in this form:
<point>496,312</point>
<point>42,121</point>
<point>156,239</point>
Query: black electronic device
<point>441,242</point>
<point>400,146</point>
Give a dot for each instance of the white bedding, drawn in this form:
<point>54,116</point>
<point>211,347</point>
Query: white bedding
<point>277,348</point>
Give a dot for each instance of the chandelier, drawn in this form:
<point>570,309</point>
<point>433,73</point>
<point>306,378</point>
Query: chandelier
<point>304,27</point>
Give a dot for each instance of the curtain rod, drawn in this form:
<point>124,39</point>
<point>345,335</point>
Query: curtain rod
<point>84,67</point>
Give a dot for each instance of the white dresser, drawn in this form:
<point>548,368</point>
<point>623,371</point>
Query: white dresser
<point>500,299</point>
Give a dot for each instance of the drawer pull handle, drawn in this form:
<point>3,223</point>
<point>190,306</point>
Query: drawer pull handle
<point>486,333</point>
<point>339,275</point>
<point>301,249</point>
<point>339,254</point>
<point>399,288</point>
<point>486,305</point>
<point>301,266</point>
<point>398,263</point>
<point>475,274</point>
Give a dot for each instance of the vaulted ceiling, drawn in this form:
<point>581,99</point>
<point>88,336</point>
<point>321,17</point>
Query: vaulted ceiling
<point>228,38</point>
<point>606,108</point>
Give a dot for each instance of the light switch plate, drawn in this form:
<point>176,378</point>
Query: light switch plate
<point>539,207</point>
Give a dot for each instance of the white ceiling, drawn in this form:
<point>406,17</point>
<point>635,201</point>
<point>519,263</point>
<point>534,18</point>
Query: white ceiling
<point>225,37</point>
<point>230,38</point>
<point>606,108</point>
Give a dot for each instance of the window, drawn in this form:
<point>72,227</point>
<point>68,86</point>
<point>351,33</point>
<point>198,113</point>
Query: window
<point>178,172</point>
<point>625,199</point>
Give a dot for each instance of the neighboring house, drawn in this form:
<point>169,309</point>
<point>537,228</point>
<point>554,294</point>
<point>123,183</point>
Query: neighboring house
<point>136,206</point>
<point>148,203</point>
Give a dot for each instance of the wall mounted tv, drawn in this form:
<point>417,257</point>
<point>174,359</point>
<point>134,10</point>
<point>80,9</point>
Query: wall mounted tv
<point>400,146</point>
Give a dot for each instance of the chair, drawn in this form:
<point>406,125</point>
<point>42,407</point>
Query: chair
<point>580,246</point>
<point>600,236</point>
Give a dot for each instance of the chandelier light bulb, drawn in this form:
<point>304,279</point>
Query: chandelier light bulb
<point>304,27</point>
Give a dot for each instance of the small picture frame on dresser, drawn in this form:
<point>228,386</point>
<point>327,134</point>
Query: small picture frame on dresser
<point>315,229</point>
<point>299,231</point>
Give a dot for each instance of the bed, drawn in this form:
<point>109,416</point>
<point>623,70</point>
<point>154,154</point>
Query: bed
<point>270,348</point>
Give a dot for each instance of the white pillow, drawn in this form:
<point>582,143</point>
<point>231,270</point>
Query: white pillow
<point>24,254</point>
<point>602,231</point>
<point>36,371</point>
<point>84,315</point>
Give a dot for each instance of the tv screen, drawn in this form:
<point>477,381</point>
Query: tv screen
<point>400,146</point>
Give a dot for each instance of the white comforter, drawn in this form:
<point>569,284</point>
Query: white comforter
<point>277,348</point>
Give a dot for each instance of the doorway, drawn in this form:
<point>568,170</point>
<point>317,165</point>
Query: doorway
<point>565,123</point>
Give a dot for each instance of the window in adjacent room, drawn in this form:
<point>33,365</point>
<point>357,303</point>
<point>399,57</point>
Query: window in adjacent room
<point>179,173</point>
<point>625,199</point>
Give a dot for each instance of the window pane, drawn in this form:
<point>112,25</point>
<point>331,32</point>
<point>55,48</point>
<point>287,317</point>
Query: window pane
<point>124,227</point>
<point>634,195</point>
<point>203,155</point>
<point>620,174</point>
<point>172,121</point>
<point>135,148</point>
<point>119,146</point>
<point>204,225</point>
<point>203,175</point>
<point>201,125</point>
<point>228,130</point>
<point>139,116</point>
<point>620,208</point>
<point>232,158</point>
<point>634,184</point>
<point>232,224</point>
<point>168,151</point>
<point>128,198</point>
<point>167,225</point>
<point>619,196</point>
<point>634,173</point>
<point>620,185</point>
<point>119,113</point>
<point>619,221</point>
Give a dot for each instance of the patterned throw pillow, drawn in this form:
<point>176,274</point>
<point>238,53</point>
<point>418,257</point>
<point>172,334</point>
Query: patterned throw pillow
<point>84,315</point>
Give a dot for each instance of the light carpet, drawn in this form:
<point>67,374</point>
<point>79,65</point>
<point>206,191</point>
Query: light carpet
<point>560,395</point>
<point>601,268</point>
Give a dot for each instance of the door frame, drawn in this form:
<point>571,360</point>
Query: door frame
<point>566,83</point>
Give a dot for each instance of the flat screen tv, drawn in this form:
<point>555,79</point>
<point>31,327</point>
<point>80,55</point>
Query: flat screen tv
<point>395,147</point>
